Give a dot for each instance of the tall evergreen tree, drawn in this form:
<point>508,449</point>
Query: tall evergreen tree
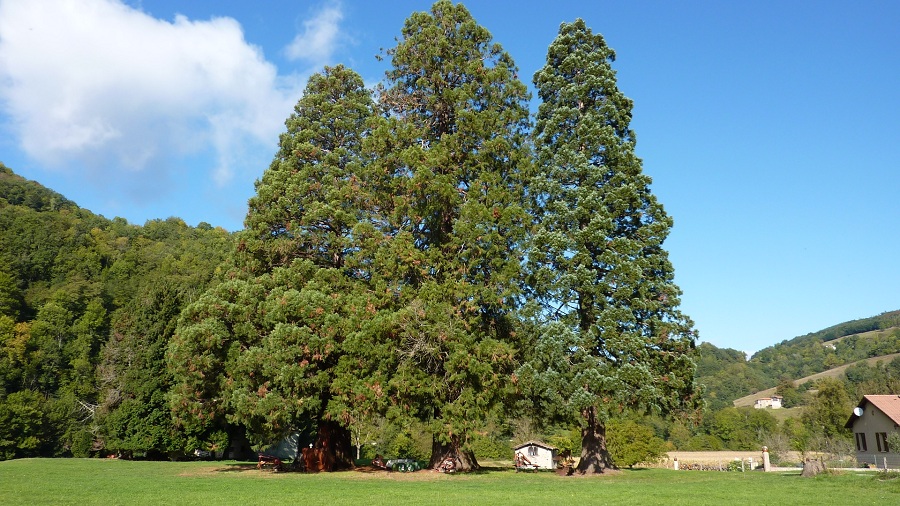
<point>615,338</point>
<point>310,199</point>
<point>280,347</point>
<point>133,415</point>
<point>453,147</point>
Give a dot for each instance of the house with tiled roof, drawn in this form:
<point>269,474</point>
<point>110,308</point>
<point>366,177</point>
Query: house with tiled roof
<point>873,419</point>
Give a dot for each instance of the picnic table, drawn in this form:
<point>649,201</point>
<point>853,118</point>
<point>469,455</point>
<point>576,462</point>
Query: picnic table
<point>523,464</point>
<point>269,460</point>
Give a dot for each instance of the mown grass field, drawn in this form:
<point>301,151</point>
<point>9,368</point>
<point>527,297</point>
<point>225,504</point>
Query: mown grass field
<point>96,481</point>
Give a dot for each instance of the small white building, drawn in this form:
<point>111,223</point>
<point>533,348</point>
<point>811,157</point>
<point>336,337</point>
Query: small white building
<point>541,455</point>
<point>773,402</point>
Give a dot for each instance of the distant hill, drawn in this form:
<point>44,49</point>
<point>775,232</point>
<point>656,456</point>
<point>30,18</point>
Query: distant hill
<point>872,334</point>
<point>728,376</point>
<point>837,372</point>
<point>837,345</point>
<point>880,322</point>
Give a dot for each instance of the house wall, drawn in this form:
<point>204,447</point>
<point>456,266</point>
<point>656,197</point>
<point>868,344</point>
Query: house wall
<point>768,402</point>
<point>543,459</point>
<point>871,422</point>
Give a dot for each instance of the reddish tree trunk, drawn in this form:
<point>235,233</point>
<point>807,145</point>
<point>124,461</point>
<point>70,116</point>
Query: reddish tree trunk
<point>595,458</point>
<point>332,451</point>
<point>462,460</point>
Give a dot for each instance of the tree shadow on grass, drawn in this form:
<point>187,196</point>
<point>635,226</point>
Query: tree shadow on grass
<point>235,467</point>
<point>244,467</point>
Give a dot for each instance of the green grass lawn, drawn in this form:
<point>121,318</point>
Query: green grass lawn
<point>96,481</point>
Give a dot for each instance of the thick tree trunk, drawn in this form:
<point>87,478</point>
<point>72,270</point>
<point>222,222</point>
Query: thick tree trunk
<point>595,457</point>
<point>450,457</point>
<point>333,450</point>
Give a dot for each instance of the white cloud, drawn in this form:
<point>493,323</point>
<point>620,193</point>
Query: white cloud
<point>319,38</point>
<point>126,95</point>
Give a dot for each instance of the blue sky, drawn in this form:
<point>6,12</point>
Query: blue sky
<point>771,129</point>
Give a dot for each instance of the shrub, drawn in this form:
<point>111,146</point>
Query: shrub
<point>567,441</point>
<point>82,441</point>
<point>407,444</point>
<point>487,447</point>
<point>630,443</point>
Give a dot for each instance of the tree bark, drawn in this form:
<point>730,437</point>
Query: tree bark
<point>463,460</point>
<point>595,458</point>
<point>333,450</point>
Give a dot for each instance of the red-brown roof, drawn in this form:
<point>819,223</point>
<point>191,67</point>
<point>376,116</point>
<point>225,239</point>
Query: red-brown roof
<point>535,443</point>
<point>887,404</point>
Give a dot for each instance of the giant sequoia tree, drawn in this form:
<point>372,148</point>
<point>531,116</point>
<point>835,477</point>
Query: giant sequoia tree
<point>281,347</point>
<point>615,339</point>
<point>452,148</point>
<point>382,266</point>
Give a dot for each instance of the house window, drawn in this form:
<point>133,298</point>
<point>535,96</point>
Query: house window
<point>881,439</point>
<point>532,451</point>
<point>861,442</point>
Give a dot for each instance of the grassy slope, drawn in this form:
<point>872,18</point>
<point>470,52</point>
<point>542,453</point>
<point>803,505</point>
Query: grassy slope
<point>872,334</point>
<point>83,481</point>
<point>749,400</point>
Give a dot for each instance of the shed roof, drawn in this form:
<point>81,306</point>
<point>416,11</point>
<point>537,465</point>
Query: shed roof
<point>534,443</point>
<point>887,404</point>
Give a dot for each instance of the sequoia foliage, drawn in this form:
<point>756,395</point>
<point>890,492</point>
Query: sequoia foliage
<point>274,349</point>
<point>381,256</point>
<point>613,338</point>
<point>453,139</point>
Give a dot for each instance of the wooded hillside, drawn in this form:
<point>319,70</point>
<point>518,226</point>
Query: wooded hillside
<point>729,375</point>
<point>87,306</point>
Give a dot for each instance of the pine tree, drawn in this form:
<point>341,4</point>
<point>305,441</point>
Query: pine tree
<point>614,338</point>
<point>452,147</point>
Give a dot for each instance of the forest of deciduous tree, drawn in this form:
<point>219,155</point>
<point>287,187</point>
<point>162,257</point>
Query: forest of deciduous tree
<point>427,266</point>
<point>87,306</point>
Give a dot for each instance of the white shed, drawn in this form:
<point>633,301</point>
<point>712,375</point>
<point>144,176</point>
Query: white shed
<point>541,455</point>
